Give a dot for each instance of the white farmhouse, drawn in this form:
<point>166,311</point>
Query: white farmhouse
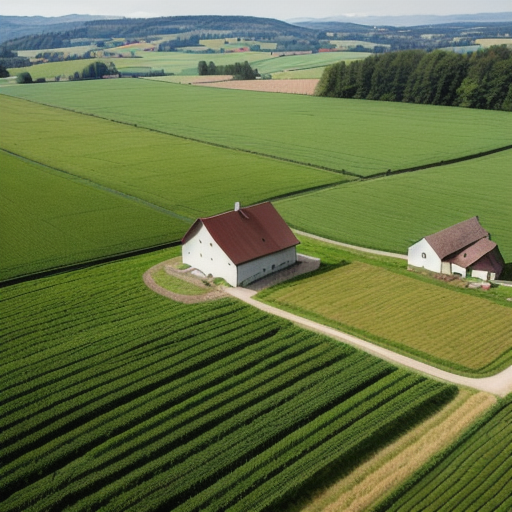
<point>464,249</point>
<point>242,245</point>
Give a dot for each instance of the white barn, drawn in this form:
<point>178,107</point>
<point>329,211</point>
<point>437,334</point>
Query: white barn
<point>464,249</point>
<point>242,245</point>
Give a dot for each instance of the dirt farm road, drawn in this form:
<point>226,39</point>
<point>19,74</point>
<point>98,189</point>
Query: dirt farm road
<point>499,384</point>
<point>355,247</point>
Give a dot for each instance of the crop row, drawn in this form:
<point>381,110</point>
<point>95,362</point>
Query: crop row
<point>154,409</point>
<point>187,421</point>
<point>135,380</point>
<point>238,436</point>
<point>242,480</point>
<point>363,437</point>
<point>90,371</point>
<point>475,475</point>
<point>164,401</point>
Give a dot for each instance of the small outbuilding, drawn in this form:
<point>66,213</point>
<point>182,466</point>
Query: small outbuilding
<point>242,245</point>
<point>464,249</point>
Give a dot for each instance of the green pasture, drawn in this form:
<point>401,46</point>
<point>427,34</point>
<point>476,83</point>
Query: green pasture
<point>306,61</point>
<point>189,179</point>
<point>393,212</point>
<point>417,318</point>
<point>115,398</point>
<point>171,62</point>
<point>186,177</point>
<point>234,42</point>
<point>71,50</point>
<point>361,137</point>
<point>176,79</point>
<point>50,220</point>
<point>50,70</point>
<point>351,43</point>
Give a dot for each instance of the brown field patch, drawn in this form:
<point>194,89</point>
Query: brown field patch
<point>298,86</point>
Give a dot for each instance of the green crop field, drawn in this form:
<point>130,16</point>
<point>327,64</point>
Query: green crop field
<point>394,212</point>
<point>362,137</point>
<point>310,60</point>
<point>171,62</point>
<point>49,70</point>
<point>186,63</point>
<point>475,475</point>
<point>407,315</point>
<point>114,398</point>
<point>50,220</point>
<point>187,178</point>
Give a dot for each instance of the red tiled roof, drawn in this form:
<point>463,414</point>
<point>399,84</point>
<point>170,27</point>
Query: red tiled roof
<point>473,253</point>
<point>457,237</point>
<point>248,233</point>
<point>491,262</point>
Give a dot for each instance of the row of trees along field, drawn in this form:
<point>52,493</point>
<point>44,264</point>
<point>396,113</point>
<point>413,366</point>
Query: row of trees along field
<point>479,80</point>
<point>239,70</point>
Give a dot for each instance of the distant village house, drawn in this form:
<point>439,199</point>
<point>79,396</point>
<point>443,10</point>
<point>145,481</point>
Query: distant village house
<point>464,249</point>
<point>242,245</point>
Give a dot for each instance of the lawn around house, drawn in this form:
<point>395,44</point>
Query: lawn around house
<point>444,327</point>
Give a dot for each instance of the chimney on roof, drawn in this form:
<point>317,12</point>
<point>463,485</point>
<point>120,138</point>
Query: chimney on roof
<point>237,206</point>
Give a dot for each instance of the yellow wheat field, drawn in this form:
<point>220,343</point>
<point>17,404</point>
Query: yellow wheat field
<point>388,468</point>
<point>438,322</point>
<point>297,86</point>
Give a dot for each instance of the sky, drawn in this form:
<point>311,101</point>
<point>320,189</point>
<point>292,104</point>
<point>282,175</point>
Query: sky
<point>280,9</point>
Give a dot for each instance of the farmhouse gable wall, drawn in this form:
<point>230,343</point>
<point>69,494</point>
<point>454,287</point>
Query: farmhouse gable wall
<point>240,246</point>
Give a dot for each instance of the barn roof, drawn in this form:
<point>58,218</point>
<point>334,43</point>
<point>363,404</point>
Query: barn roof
<point>455,238</point>
<point>248,233</point>
<point>473,253</point>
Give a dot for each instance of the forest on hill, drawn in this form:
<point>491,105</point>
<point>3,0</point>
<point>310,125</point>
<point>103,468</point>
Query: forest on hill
<point>225,26</point>
<point>479,80</point>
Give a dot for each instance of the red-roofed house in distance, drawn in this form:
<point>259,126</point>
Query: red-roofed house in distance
<point>465,249</point>
<point>241,246</point>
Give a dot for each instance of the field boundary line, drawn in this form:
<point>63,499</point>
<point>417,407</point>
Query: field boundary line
<point>343,172</point>
<point>441,163</point>
<point>200,141</point>
<point>353,247</point>
<point>499,384</point>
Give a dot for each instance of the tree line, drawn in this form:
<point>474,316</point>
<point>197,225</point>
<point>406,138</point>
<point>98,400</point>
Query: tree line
<point>482,79</point>
<point>239,70</point>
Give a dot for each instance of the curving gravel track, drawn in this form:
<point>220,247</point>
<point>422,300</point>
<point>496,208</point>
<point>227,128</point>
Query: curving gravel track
<point>499,384</point>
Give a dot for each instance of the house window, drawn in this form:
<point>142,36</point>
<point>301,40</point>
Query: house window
<point>211,245</point>
<point>200,242</point>
<point>423,255</point>
<point>200,255</point>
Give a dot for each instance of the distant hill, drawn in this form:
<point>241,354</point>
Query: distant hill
<point>241,26</point>
<point>404,21</point>
<point>12,27</point>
